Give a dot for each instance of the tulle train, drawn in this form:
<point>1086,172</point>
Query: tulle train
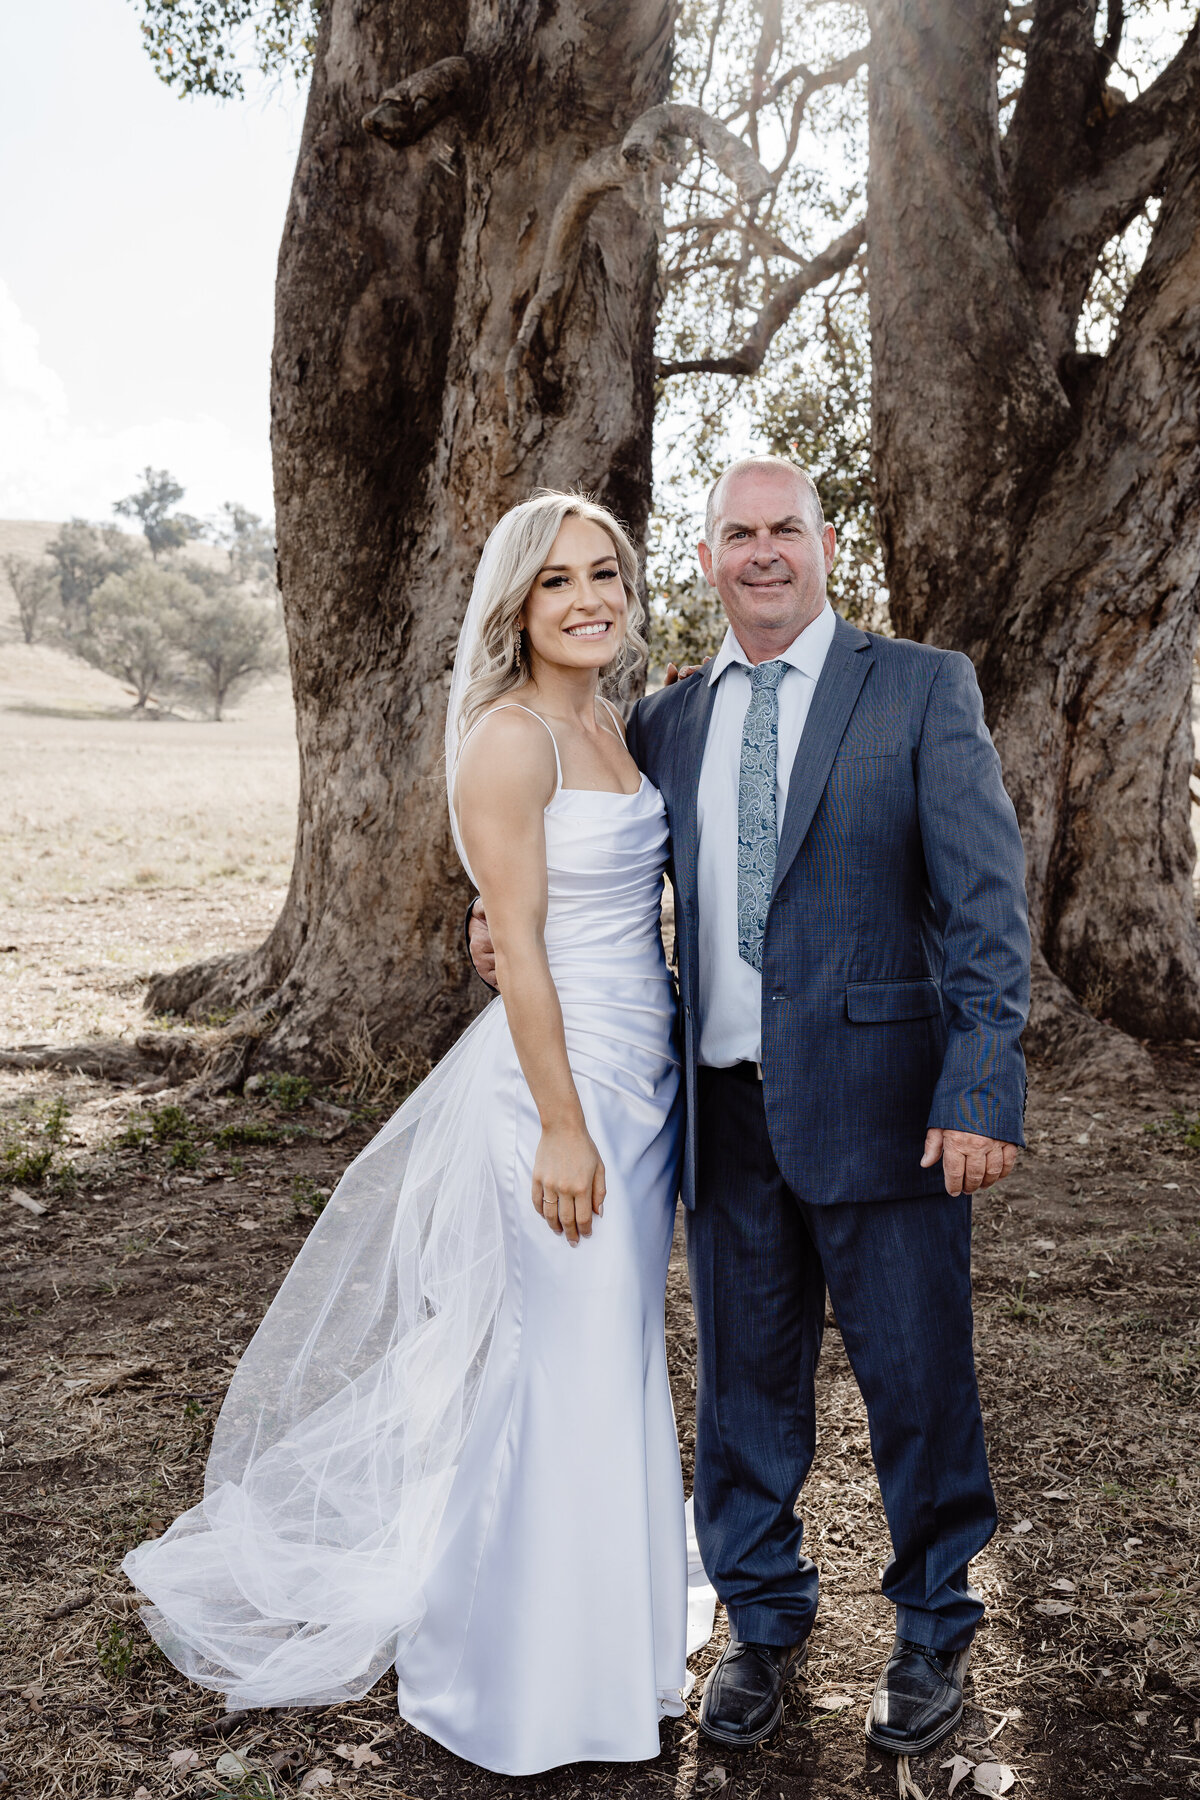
<point>298,1576</point>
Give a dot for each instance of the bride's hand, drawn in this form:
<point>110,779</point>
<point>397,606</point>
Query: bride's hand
<point>568,1181</point>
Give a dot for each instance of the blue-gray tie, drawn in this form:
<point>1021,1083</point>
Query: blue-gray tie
<point>758,838</point>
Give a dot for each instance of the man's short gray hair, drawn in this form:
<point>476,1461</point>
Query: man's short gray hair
<point>761,462</point>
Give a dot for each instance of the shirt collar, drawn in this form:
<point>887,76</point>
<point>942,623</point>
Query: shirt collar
<point>806,652</point>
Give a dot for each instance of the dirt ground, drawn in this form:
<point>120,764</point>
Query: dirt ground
<point>141,1240</point>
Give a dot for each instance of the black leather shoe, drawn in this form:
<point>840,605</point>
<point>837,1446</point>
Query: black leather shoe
<point>918,1698</point>
<point>743,1697</point>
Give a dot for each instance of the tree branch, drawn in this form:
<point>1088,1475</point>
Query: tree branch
<point>1127,153</point>
<point>648,141</point>
<point>836,75</point>
<point>651,140</point>
<point>778,310</point>
<point>414,106</point>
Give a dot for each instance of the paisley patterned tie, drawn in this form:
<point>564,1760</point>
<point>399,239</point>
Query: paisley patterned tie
<point>758,839</point>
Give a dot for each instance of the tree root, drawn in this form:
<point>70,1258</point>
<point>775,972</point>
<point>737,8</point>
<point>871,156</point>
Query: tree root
<point>209,1062</point>
<point>1093,1056</point>
<point>199,989</point>
<point>158,1056</point>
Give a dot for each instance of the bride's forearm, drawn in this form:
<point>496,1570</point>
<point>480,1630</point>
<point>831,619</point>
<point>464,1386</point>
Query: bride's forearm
<point>535,1020</point>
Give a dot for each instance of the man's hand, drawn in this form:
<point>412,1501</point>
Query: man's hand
<point>673,674</point>
<point>483,953</point>
<point>969,1162</point>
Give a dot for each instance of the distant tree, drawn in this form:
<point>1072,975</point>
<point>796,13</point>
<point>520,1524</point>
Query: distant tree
<point>249,543</point>
<point>85,555</point>
<point>151,504</point>
<point>35,585</point>
<point>204,46</point>
<point>225,640</point>
<point>134,626</point>
<point>687,623</point>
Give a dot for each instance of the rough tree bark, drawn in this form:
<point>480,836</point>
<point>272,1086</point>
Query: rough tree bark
<point>1039,510</point>
<point>459,162</point>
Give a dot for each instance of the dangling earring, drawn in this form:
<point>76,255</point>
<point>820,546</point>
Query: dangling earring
<point>517,653</point>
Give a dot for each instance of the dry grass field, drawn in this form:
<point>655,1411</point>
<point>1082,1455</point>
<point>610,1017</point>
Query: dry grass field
<point>149,1231</point>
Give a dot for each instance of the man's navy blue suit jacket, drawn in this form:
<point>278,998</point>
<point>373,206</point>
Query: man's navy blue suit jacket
<point>896,954</point>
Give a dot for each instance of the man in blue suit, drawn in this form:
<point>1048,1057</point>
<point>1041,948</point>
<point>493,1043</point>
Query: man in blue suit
<point>853,958</point>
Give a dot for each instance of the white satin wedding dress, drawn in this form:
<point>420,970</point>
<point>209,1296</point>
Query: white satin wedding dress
<point>451,1443</point>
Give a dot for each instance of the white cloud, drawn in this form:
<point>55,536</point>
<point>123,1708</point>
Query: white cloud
<point>24,378</point>
<point>54,465</point>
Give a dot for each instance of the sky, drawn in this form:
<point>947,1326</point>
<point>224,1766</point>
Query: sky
<point>138,238</point>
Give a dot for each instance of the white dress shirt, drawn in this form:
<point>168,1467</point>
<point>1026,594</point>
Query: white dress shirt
<point>730,999</point>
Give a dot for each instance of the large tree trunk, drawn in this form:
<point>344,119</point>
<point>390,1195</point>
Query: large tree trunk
<point>1040,511</point>
<point>410,256</point>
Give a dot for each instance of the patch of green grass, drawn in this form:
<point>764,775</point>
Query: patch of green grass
<point>170,1125</point>
<point>1180,1125</point>
<point>247,1133</point>
<point>287,1091</point>
<point>135,1136</point>
<point>183,1155</point>
<point>116,1652</point>
<point>1021,1309</point>
<point>54,1123</point>
<point>25,1165</point>
<point>30,1143</point>
<point>251,1132</point>
<point>308,1200</point>
<point>65,1181</point>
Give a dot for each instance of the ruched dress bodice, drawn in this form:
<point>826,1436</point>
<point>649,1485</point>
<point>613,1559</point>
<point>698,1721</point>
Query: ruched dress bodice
<point>605,856</point>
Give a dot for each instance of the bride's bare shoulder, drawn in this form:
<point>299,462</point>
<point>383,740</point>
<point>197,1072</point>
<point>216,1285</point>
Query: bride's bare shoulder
<point>508,752</point>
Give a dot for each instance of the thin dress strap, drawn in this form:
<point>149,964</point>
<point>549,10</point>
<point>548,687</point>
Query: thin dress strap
<point>613,714</point>
<point>515,706</point>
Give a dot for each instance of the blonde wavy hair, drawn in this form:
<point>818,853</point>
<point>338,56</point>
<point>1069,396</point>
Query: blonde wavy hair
<point>518,549</point>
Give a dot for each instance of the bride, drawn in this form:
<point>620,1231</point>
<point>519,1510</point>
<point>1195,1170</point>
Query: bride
<point>450,1444</point>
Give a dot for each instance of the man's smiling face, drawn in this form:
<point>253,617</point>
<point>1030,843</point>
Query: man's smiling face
<point>769,558</point>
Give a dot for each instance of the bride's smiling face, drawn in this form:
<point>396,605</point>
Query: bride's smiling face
<point>575,612</point>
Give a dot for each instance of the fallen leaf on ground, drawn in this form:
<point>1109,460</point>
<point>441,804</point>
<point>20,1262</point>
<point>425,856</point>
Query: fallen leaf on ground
<point>1052,1609</point>
<point>1054,1494</point>
<point>34,1691</point>
<point>37,1207</point>
<point>361,1755</point>
<point>315,1780</point>
<point>714,1778</point>
<point>230,1763</point>
<point>959,1769</point>
<point>1022,1525</point>
<point>993,1778</point>
<point>1063,1585</point>
<point>833,1702</point>
<point>185,1759</point>
<point>1046,1244</point>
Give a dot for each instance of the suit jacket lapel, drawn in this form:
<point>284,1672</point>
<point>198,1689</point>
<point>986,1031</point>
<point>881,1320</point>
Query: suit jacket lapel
<point>690,735</point>
<point>850,656</point>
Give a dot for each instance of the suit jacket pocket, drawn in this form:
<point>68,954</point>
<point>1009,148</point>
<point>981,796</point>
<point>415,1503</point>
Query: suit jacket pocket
<point>880,1002</point>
